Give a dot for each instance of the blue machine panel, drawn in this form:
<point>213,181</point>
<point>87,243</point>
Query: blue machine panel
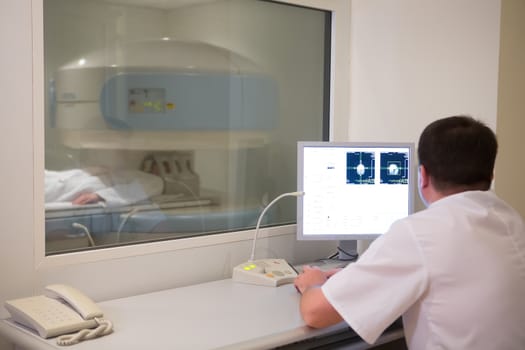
<point>184,101</point>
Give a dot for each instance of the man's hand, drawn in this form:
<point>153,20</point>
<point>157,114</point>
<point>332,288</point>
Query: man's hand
<point>315,308</point>
<point>86,198</point>
<point>312,276</point>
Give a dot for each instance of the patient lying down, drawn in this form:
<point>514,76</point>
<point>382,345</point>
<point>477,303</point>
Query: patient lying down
<point>98,184</point>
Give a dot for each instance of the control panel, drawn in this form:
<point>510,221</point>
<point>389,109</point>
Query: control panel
<point>266,272</point>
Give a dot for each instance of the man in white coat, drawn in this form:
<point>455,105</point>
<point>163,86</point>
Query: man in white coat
<point>455,271</point>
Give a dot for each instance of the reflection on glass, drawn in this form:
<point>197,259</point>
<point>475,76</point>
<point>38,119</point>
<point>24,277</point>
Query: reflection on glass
<point>176,120</point>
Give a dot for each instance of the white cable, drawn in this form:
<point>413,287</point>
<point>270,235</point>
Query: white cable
<point>85,229</point>
<point>123,222</point>
<point>288,194</point>
<point>129,215</point>
<point>196,198</point>
<point>105,327</point>
<point>135,210</point>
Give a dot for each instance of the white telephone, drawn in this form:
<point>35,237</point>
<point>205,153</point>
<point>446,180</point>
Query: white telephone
<point>62,310</point>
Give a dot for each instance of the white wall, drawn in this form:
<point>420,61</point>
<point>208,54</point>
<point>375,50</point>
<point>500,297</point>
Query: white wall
<point>16,272</point>
<point>412,61</point>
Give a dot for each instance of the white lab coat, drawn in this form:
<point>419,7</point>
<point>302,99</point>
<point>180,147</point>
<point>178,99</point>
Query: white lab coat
<point>117,188</point>
<point>455,271</point>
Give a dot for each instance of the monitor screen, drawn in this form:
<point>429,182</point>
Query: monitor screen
<point>352,191</point>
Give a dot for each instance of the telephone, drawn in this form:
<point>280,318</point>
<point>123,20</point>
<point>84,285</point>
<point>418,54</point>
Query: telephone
<point>61,311</point>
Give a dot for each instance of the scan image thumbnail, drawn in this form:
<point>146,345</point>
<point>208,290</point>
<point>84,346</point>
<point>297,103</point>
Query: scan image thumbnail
<point>394,168</point>
<point>360,168</point>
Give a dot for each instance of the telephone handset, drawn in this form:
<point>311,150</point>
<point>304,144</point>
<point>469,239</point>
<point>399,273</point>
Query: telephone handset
<point>62,310</point>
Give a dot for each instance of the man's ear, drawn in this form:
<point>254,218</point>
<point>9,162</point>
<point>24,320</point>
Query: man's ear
<point>424,178</point>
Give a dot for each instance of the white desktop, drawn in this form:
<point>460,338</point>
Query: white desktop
<point>352,190</point>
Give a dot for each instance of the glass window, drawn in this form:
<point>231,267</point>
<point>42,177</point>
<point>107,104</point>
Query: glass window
<point>168,120</point>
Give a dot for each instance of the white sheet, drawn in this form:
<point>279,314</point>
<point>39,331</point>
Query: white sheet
<point>117,188</point>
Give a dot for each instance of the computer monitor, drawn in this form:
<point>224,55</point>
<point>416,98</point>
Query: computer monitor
<point>352,190</point>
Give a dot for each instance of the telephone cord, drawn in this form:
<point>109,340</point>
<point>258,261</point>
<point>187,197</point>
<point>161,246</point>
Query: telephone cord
<point>105,327</point>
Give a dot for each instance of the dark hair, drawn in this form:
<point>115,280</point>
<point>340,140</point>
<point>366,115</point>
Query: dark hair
<point>458,152</point>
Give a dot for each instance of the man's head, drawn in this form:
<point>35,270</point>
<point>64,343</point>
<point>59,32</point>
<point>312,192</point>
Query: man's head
<point>457,154</point>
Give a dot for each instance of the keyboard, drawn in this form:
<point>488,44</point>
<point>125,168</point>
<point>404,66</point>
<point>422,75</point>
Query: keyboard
<point>323,264</point>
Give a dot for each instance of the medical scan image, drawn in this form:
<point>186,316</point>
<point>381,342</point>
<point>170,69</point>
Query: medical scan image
<point>360,168</point>
<point>394,168</point>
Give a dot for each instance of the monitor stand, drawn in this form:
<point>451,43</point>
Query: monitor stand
<point>348,250</point>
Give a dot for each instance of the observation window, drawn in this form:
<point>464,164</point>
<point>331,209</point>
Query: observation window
<point>174,119</point>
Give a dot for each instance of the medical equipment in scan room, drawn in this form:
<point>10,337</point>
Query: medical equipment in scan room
<point>160,87</point>
<point>177,170</point>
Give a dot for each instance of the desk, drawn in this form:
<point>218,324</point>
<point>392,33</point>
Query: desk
<point>215,315</point>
